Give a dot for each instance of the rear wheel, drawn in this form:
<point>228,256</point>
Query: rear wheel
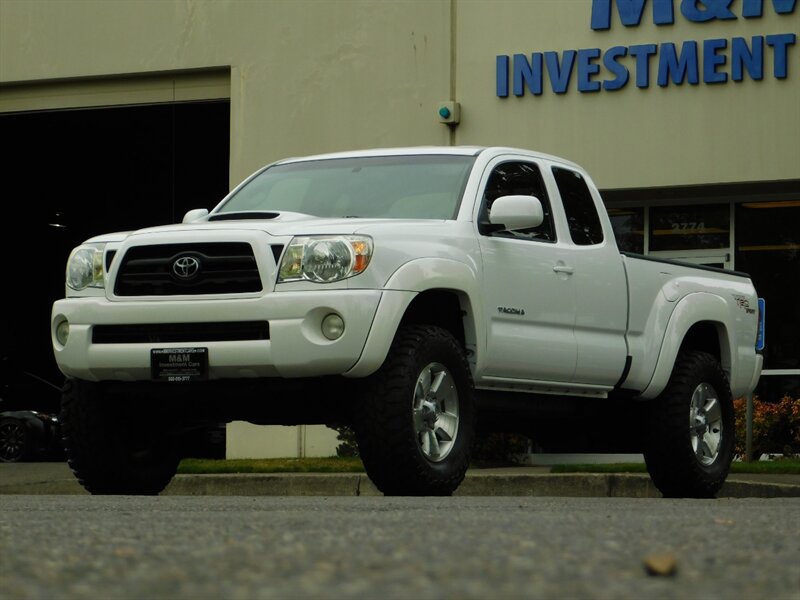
<point>415,422</point>
<point>691,442</point>
<point>111,448</point>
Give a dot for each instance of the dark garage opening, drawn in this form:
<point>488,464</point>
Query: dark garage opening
<point>73,174</point>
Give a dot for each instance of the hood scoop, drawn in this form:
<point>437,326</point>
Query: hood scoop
<point>243,215</point>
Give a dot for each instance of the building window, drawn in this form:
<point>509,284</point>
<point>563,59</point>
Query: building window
<point>628,226</point>
<point>701,227</point>
<point>768,248</point>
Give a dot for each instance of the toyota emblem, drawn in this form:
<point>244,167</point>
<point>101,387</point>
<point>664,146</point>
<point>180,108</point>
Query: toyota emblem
<point>185,267</point>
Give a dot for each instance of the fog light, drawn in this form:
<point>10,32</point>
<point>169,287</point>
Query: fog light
<point>333,326</point>
<point>62,332</point>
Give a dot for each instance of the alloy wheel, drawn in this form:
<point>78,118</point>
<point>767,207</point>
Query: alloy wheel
<point>435,412</point>
<point>705,424</point>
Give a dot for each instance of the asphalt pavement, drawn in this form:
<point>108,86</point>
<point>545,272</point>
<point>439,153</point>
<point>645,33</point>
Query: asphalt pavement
<point>325,548</point>
<point>56,478</point>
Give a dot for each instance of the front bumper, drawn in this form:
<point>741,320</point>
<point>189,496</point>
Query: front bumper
<point>296,346</point>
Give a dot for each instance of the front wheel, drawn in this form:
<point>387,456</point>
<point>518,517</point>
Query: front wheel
<point>691,429</point>
<point>415,421</point>
<point>112,446</point>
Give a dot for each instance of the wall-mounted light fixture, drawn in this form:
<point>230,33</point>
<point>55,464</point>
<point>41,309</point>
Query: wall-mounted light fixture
<point>449,113</point>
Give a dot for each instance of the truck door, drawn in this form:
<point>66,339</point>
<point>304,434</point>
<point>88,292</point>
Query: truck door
<point>530,302</point>
<point>600,285</point>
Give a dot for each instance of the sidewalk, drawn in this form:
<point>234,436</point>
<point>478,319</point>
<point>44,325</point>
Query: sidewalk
<point>56,478</point>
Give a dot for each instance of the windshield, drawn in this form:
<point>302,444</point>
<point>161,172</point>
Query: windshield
<point>394,187</point>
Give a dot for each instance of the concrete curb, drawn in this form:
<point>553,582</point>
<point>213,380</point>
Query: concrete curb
<point>476,484</point>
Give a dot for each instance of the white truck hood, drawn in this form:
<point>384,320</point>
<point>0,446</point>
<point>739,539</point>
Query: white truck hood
<point>287,224</point>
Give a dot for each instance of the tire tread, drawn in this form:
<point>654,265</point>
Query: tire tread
<point>670,460</point>
<point>390,455</point>
<point>90,435</point>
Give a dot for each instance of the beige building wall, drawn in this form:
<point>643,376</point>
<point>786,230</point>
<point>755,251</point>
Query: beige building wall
<point>310,76</point>
<point>306,76</point>
<point>245,440</point>
<point>677,135</point>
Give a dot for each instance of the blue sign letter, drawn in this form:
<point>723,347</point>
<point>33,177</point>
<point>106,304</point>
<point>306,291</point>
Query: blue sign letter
<point>712,9</point>
<point>643,53</point>
<point>780,43</point>
<point>711,60</point>
<point>755,8</point>
<point>559,74</point>
<point>501,86</point>
<point>529,74</point>
<point>620,72</point>
<point>670,65</point>
<point>587,68</point>
<point>744,59</point>
<point>630,13</point>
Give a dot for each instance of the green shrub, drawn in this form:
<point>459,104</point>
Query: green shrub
<point>492,448</point>
<point>347,437</point>
<point>776,426</point>
<point>499,448</point>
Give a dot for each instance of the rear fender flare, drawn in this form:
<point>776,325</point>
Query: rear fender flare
<point>691,309</point>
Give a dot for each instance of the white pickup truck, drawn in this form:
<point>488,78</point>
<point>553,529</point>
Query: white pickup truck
<point>407,293</point>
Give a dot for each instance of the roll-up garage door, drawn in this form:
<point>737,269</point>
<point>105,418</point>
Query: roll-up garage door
<point>82,158</point>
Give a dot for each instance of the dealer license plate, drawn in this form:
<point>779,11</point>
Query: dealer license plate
<point>179,364</point>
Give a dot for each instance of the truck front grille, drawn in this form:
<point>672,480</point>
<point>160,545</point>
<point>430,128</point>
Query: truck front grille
<point>180,332</point>
<point>180,269</point>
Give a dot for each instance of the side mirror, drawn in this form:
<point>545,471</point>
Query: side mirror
<point>195,215</point>
<point>511,213</point>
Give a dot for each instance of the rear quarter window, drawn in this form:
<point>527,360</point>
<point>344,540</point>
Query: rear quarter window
<point>584,223</point>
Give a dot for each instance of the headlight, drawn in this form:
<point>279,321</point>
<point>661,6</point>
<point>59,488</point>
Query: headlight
<point>324,259</point>
<point>85,267</point>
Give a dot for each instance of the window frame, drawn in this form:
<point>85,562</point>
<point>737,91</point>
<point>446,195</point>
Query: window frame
<point>592,200</point>
<point>481,217</point>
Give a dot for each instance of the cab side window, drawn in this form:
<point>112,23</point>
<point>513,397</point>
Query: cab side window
<point>584,223</point>
<point>518,178</point>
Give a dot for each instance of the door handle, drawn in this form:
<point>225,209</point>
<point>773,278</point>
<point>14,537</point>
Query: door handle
<point>563,269</point>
